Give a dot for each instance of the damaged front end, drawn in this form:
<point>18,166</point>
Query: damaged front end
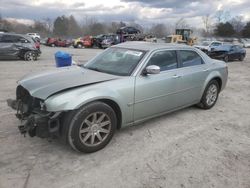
<point>35,120</point>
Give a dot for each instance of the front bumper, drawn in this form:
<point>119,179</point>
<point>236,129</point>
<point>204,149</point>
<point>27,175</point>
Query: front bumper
<point>38,123</point>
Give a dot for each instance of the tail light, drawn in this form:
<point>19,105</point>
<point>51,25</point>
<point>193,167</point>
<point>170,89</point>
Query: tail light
<point>37,45</point>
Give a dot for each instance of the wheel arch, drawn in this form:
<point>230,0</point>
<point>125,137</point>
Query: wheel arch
<point>116,109</point>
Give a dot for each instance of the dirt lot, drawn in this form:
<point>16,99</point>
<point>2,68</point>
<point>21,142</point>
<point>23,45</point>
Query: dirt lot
<point>189,148</point>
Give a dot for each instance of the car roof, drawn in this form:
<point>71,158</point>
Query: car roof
<point>148,46</point>
<point>20,35</point>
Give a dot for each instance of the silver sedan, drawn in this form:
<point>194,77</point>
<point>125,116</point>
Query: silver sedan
<point>125,85</point>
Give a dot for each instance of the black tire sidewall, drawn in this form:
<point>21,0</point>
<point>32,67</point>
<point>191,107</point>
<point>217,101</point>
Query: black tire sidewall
<point>204,101</point>
<point>78,118</point>
<point>226,58</point>
<point>34,56</point>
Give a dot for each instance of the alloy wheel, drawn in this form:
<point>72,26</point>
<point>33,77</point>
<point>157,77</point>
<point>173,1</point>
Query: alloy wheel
<point>212,94</point>
<point>95,129</point>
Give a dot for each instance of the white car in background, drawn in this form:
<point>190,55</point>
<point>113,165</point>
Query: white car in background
<point>246,43</point>
<point>207,46</point>
<point>35,36</point>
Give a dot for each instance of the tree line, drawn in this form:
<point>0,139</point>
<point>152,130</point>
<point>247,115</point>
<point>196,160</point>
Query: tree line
<point>67,26</point>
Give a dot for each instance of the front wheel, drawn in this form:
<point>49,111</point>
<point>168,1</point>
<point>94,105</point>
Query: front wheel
<point>210,95</point>
<point>241,57</point>
<point>92,127</point>
<point>226,58</point>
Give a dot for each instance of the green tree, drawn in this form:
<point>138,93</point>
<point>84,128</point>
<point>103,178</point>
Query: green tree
<point>224,30</point>
<point>246,30</point>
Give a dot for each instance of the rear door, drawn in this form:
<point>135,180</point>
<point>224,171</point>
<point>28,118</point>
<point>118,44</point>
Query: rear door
<point>193,72</point>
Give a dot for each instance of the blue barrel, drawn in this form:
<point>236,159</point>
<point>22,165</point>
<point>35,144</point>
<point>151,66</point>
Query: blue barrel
<point>63,59</point>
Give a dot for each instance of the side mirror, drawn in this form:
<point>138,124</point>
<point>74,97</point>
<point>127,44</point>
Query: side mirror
<point>152,69</point>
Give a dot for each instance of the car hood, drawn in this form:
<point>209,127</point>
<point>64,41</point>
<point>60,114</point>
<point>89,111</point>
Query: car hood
<point>44,84</point>
<point>201,47</point>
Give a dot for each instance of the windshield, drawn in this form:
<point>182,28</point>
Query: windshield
<point>117,61</point>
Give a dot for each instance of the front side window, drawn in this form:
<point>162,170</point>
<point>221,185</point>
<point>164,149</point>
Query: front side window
<point>117,61</point>
<point>190,58</point>
<point>166,60</point>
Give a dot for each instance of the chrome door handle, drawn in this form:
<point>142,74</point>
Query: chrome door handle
<point>205,70</point>
<point>176,76</point>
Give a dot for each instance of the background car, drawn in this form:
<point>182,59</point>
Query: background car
<point>58,42</point>
<point>126,84</point>
<point>150,38</point>
<point>228,52</point>
<point>86,41</point>
<point>18,46</point>
<point>246,43</point>
<point>128,30</point>
<point>35,36</point>
<point>110,40</point>
<point>207,46</point>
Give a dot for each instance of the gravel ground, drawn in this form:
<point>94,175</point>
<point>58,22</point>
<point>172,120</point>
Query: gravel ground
<point>189,148</point>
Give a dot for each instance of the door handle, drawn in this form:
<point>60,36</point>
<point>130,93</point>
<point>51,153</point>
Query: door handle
<point>205,70</point>
<point>176,76</point>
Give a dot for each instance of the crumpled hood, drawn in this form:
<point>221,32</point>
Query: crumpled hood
<point>44,84</point>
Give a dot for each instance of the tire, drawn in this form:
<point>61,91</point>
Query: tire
<point>30,56</point>
<point>79,45</point>
<point>241,57</point>
<point>226,58</point>
<point>53,45</point>
<point>91,127</point>
<point>210,95</point>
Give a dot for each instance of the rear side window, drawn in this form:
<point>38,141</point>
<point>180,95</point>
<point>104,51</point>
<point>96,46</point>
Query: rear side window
<point>11,39</point>
<point>166,60</point>
<point>190,58</point>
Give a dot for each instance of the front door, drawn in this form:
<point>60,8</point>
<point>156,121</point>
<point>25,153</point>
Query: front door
<point>156,93</point>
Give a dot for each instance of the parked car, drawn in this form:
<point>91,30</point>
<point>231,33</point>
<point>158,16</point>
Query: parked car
<point>228,52</point>
<point>128,30</point>
<point>246,43</point>
<point>109,39</point>
<point>14,46</point>
<point>126,84</point>
<point>86,42</point>
<point>63,42</point>
<point>207,46</point>
<point>58,42</point>
<point>150,38</point>
<point>35,36</point>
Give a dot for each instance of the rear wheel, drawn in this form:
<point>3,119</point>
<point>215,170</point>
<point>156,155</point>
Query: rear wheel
<point>91,127</point>
<point>52,45</point>
<point>30,56</point>
<point>210,95</point>
<point>79,45</point>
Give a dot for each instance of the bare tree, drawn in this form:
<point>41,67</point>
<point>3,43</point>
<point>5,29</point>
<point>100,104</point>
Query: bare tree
<point>222,16</point>
<point>49,23</point>
<point>207,23</point>
<point>181,24</point>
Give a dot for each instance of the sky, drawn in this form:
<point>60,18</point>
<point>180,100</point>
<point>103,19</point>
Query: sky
<point>145,12</point>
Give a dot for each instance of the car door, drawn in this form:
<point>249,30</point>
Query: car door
<point>193,73</point>
<point>156,93</point>
<point>7,47</point>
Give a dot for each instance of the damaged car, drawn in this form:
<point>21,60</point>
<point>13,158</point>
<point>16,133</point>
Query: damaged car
<point>228,52</point>
<point>16,46</point>
<point>125,85</point>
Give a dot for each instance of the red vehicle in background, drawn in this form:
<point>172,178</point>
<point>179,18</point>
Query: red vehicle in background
<point>58,42</point>
<point>86,42</point>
